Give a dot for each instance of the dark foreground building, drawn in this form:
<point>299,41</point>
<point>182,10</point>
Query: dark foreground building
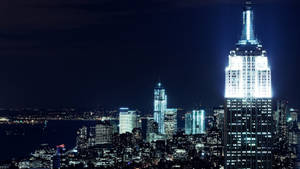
<point>248,102</point>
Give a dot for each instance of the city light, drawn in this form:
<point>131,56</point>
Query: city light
<point>243,129</point>
<point>248,76</point>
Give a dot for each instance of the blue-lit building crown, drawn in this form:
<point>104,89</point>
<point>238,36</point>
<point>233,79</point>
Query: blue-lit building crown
<point>248,35</point>
<point>195,122</point>
<point>160,107</point>
<point>248,74</point>
<point>248,120</point>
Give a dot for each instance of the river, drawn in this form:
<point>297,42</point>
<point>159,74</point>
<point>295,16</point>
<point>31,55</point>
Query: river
<point>17,141</point>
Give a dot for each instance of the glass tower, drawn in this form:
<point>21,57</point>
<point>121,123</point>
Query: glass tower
<point>127,120</point>
<point>160,107</point>
<point>170,122</point>
<point>195,122</point>
<point>248,102</point>
<point>188,123</point>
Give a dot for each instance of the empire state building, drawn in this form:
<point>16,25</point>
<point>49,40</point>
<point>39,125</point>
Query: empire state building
<point>248,102</point>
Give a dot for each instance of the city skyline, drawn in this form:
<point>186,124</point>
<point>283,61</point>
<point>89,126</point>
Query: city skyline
<point>120,84</point>
<point>38,72</point>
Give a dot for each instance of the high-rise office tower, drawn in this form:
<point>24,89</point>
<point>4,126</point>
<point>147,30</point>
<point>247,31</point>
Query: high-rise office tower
<point>248,102</point>
<point>188,123</point>
<point>152,129</point>
<point>170,122</point>
<point>195,122</point>
<point>219,115</point>
<point>160,107</point>
<point>104,133</point>
<point>281,120</point>
<point>292,123</point>
<point>127,120</point>
<point>286,123</point>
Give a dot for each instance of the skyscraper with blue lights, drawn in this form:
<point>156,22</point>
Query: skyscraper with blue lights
<point>160,107</point>
<point>195,122</point>
<point>248,102</point>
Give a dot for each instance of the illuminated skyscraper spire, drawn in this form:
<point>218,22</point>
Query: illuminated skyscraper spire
<point>248,36</point>
<point>160,106</point>
<point>248,139</point>
<point>248,73</point>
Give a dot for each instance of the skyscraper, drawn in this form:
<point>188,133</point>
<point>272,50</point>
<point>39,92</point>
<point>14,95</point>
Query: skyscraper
<point>219,115</point>
<point>104,133</point>
<point>170,122</point>
<point>160,107</point>
<point>152,129</point>
<point>248,102</point>
<point>195,122</point>
<point>281,120</point>
<point>188,123</point>
<point>127,120</point>
<point>293,129</point>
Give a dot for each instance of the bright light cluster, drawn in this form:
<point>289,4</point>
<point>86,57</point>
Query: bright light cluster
<point>248,76</point>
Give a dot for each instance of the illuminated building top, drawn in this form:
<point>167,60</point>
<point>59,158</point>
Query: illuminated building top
<point>248,74</point>
<point>248,36</point>
<point>160,106</point>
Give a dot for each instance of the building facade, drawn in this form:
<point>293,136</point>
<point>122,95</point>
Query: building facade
<point>160,107</point>
<point>195,122</point>
<point>188,123</point>
<point>152,129</point>
<point>127,120</point>
<point>152,134</point>
<point>104,133</point>
<point>248,102</point>
<point>170,122</point>
<point>281,120</point>
<point>219,115</point>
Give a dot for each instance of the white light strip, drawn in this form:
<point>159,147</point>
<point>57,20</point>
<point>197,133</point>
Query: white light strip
<point>248,76</point>
<point>248,24</point>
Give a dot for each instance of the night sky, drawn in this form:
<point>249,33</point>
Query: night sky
<point>110,53</point>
